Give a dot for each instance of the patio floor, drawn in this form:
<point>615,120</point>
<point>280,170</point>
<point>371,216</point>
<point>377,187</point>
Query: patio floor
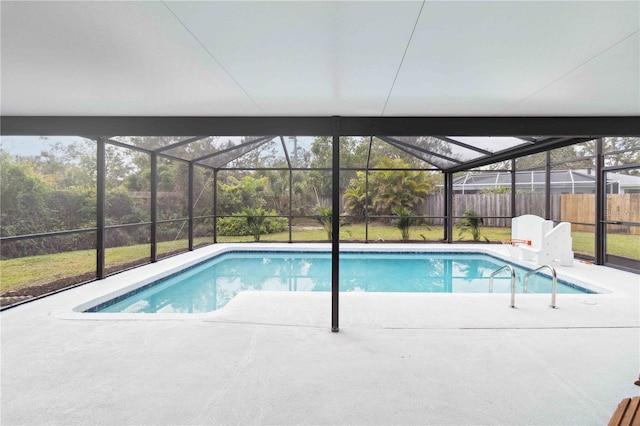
<point>270,358</point>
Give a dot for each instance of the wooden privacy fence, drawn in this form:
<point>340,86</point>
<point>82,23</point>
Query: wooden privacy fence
<point>488,206</point>
<point>575,208</point>
<point>580,208</point>
<point>620,207</point>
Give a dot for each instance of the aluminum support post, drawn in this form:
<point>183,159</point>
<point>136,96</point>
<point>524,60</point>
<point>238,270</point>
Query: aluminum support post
<point>513,188</point>
<point>100,204</point>
<point>448,207</point>
<point>190,210</point>
<point>215,206</point>
<point>290,204</point>
<point>601,200</point>
<point>335,231</point>
<point>547,186</point>
<point>154,206</point>
<point>366,193</point>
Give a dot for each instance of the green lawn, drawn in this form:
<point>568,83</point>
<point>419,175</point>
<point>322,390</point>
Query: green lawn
<point>377,232</point>
<point>29,271</point>
<point>35,270</point>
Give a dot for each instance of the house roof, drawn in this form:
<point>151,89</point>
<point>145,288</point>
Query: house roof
<point>490,179</point>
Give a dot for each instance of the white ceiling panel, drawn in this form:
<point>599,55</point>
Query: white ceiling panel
<point>328,58</point>
<point>608,82</point>
<point>313,58</point>
<point>108,58</point>
<point>481,58</point>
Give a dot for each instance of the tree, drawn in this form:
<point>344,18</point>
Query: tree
<point>565,157</point>
<point>255,220</point>
<point>352,153</point>
<point>325,218</point>
<point>381,149</point>
<point>356,196</point>
<point>496,190</point>
<point>33,201</point>
<point>617,150</point>
<point>389,189</point>
<point>248,192</point>
<point>623,150</point>
<point>403,221</point>
<point>24,202</point>
<point>472,223</point>
<point>263,155</point>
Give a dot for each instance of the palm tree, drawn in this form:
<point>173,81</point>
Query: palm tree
<point>326,220</point>
<point>403,221</point>
<point>471,223</point>
<point>388,188</point>
<point>255,219</point>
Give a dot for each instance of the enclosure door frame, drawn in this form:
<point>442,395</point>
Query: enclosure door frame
<point>609,222</point>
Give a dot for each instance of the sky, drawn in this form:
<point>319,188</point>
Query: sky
<point>33,145</point>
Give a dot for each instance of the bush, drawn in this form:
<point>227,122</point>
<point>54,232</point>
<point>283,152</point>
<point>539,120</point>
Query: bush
<point>237,225</point>
<point>472,223</point>
<point>403,221</point>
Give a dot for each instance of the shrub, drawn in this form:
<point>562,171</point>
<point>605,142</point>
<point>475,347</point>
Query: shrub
<point>237,225</point>
<point>403,221</point>
<point>471,223</point>
<point>325,217</point>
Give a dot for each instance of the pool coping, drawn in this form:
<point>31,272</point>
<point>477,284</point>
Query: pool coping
<point>128,281</point>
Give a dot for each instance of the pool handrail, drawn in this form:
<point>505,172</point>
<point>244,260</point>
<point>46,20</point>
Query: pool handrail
<point>513,282</point>
<point>554,283</point>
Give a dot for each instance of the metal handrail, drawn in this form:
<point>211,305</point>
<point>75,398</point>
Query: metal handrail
<point>513,282</point>
<point>554,283</point>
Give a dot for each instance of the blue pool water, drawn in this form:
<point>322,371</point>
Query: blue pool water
<point>212,284</point>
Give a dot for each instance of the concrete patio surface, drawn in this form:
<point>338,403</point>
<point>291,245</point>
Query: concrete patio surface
<point>270,358</point>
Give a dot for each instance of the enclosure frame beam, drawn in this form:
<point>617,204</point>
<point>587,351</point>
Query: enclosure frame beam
<point>335,229</point>
<point>154,207</point>
<point>448,207</point>
<point>591,127</point>
<point>215,205</point>
<point>601,194</point>
<point>236,147</point>
<point>366,192</point>
<point>100,204</point>
<point>407,146</point>
<point>513,188</point>
<point>547,186</point>
<point>190,209</point>
<point>286,155</point>
<point>179,144</point>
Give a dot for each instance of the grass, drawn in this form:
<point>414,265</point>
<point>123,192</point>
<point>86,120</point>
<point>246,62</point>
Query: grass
<point>624,245</point>
<point>35,270</point>
<point>377,232</point>
<point>31,271</point>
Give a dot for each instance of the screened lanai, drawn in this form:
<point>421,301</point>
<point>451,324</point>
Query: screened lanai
<point>165,195</point>
<point>139,138</point>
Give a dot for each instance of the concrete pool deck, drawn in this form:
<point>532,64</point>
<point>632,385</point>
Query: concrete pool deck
<point>270,358</point>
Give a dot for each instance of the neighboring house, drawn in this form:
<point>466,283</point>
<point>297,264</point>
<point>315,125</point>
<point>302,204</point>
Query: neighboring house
<point>562,182</point>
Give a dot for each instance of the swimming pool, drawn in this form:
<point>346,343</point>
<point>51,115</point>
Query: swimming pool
<point>210,285</point>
